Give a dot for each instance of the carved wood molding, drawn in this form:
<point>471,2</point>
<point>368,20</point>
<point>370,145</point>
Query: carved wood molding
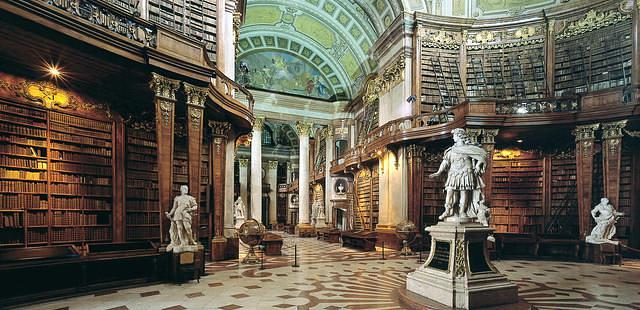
<point>593,20</point>
<point>196,96</point>
<point>163,87</point>
<point>220,129</point>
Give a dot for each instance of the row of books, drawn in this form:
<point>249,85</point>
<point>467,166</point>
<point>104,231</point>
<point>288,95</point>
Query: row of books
<point>141,157</point>
<point>141,142</point>
<point>22,186</point>
<point>23,163</point>
<point>37,219</point>
<point>24,120</point>
<point>84,158</point>
<point>80,122</point>
<point>23,130</point>
<point>77,218</point>
<point>10,108</point>
<point>143,232</point>
<point>81,168</point>
<point>142,193</point>
<point>22,140</point>
<point>79,178</point>
<point>22,201</point>
<point>11,220</point>
<point>80,189</point>
<point>150,165</point>
<point>79,131</point>
<point>37,236</point>
<point>85,149</point>
<point>22,150</point>
<point>143,218</point>
<point>79,139</point>
<point>23,174</point>
<point>79,203</point>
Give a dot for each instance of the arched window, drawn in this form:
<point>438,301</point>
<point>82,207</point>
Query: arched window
<point>267,136</point>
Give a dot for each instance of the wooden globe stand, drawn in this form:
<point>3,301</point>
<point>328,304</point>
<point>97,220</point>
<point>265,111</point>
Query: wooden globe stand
<point>251,257</point>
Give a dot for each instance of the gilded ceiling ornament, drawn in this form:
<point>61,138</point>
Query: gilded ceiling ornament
<point>304,128</point>
<point>163,87</point>
<point>593,20</point>
<point>613,130</point>
<point>195,95</point>
<point>364,175</point>
<point>392,75</point>
<point>166,107</point>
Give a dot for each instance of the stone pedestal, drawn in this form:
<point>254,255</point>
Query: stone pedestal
<point>239,222</point>
<point>305,230</point>
<point>320,222</point>
<point>458,272</point>
<point>187,263</point>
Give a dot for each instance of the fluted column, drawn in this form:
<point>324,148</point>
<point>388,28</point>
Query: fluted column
<point>256,170</point>
<point>165,103</point>
<point>611,157</point>
<point>219,132</point>
<point>229,184</point>
<point>303,177</point>
<point>196,97</point>
<point>227,24</point>
<point>243,165</point>
<point>272,179</point>
<point>328,180</point>
<point>585,149</point>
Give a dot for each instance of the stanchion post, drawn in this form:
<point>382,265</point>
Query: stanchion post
<point>383,250</point>
<point>295,256</point>
<point>262,258</point>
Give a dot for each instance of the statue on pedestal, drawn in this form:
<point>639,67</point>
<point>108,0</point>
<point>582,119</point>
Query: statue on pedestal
<point>238,212</point>
<point>606,218</point>
<point>317,214</point>
<point>181,220</point>
<point>465,162</point>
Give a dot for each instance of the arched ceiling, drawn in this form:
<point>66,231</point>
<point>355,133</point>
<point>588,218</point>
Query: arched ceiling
<point>314,48</point>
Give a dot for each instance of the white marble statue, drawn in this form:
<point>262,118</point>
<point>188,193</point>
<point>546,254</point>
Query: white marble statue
<point>465,162</point>
<point>340,188</point>
<point>606,218</point>
<point>238,208</point>
<point>181,219</point>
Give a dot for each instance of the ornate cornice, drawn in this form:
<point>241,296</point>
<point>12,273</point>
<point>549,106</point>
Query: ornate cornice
<point>220,129</point>
<point>522,36</point>
<point>196,96</point>
<point>489,136</point>
<point>474,134</point>
<point>304,128</point>
<point>391,76</point>
<point>613,130</point>
<point>585,132</point>
<point>258,124</point>
<point>49,96</point>
<point>243,162</point>
<point>272,164</point>
<point>163,87</point>
<point>593,20</point>
<point>439,38</point>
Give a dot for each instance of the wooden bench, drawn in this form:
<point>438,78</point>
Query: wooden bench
<point>558,246</point>
<point>364,240</point>
<point>331,235</point>
<point>272,244</point>
<point>516,245</point>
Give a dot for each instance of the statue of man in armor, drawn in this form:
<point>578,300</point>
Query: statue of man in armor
<point>181,219</point>
<point>465,162</point>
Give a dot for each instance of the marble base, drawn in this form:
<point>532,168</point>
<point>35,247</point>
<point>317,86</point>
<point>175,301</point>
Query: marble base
<point>458,272</point>
<point>320,222</point>
<point>218,248</point>
<point>305,230</point>
<point>182,248</point>
<point>239,222</point>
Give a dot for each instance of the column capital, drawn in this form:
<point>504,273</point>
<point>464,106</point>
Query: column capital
<point>289,166</point>
<point>585,132</point>
<point>196,96</point>
<point>304,128</point>
<point>272,164</point>
<point>244,162</point>
<point>489,136</point>
<point>474,134</point>
<point>613,130</point>
<point>415,151</point>
<point>163,87</point>
<point>258,124</point>
<point>220,129</point>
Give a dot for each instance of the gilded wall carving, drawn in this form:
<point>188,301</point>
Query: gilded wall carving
<point>591,21</point>
<point>391,76</point>
<point>163,87</point>
<point>439,38</point>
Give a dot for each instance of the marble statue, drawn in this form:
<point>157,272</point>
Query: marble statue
<point>318,215</point>
<point>465,162</point>
<point>606,218</point>
<point>180,216</point>
<point>238,208</point>
<point>340,188</point>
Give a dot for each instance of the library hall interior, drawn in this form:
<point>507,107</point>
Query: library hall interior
<point>319,154</point>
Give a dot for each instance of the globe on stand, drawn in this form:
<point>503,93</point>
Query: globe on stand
<point>406,231</point>
<point>251,233</point>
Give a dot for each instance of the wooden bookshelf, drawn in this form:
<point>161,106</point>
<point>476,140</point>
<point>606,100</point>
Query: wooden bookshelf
<point>367,199</point>
<point>593,60</point>
<point>142,206</point>
<point>205,233</point>
<point>507,73</point>
<point>440,84</point>
<point>433,194</point>
<point>55,177</point>
<point>375,197</point>
<point>624,226</point>
<point>516,204</point>
<point>563,211</point>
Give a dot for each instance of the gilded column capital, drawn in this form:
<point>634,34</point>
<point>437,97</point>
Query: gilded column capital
<point>163,87</point>
<point>489,136</point>
<point>304,128</point>
<point>613,130</point>
<point>289,166</point>
<point>415,151</point>
<point>220,129</point>
<point>474,134</point>
<point>196,96</point>
<point>258,124</point>
<point>244,162</point>
<point>585,132</point>
<point>272,164</point>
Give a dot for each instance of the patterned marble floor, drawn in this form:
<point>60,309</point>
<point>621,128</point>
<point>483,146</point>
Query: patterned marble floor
<point>332,277</point>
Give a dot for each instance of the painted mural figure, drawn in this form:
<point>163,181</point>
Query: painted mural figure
<point>322,90</point>
<point>181,219</point>
<point>465,162</point>
<point>606,218</point>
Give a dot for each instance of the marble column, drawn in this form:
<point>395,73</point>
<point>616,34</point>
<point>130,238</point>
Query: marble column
<point>394,182</point>
<point>227,23</point>
<point>256,170</point>
<point>635,47</point>
<point>165,103</point>
<point>611,151</point>
<point>229,228</point>
<point>219,133</point>
<point>272,179</point>
<point>585,149</point>
<point>243,165</point>
<point>303,179</point>
<point>328,180</point>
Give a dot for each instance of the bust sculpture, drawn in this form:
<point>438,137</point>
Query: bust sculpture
<point>181,219</point>
<point>340,187</point>
<point>606,218</point>
<point>465,162</point>
<point>238,208</point>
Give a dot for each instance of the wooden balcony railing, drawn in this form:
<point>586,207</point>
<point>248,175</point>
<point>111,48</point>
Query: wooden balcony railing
<point>231,88</point>
<point>544,105</point>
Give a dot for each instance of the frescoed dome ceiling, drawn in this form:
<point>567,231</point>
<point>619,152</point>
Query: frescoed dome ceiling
<point>313,48</point>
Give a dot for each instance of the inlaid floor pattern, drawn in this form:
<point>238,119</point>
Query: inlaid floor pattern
<point>333,277</point>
